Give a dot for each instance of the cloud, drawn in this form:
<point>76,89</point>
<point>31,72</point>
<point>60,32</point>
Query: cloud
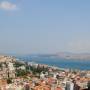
<point>7,5</point>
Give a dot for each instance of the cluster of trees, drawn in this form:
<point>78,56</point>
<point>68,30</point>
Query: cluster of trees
<point>38,69</point>
<point>21,72</point>
<point>28,69</point>
<point>32,69</point>
<point>18,64</point>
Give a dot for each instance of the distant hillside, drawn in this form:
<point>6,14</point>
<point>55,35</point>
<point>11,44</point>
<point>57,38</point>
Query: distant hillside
<point>73,55</point>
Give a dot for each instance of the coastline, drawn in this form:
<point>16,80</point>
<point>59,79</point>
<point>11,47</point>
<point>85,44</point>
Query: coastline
<point>61,63</point>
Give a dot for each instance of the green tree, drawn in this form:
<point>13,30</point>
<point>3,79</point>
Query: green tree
<point>9,80</point>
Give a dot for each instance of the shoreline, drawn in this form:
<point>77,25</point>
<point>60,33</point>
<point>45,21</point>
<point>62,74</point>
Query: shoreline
<point>53,66</point>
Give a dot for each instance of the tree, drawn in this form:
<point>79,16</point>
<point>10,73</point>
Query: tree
<point>20,72</point>
<point>88,85</point>
<point>9,80</point>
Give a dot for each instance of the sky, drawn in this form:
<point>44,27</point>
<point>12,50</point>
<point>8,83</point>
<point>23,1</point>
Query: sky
<point>44,26</point>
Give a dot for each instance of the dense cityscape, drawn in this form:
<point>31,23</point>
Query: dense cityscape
<point>44,44</point>
<point>20,75</point>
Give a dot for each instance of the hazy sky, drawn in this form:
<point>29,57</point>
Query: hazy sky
<point>44,26</point>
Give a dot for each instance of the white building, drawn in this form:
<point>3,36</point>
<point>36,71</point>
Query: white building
<point>10,66</point>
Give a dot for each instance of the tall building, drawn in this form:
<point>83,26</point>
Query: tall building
<point>11,70</point>
<point>69,86</point>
